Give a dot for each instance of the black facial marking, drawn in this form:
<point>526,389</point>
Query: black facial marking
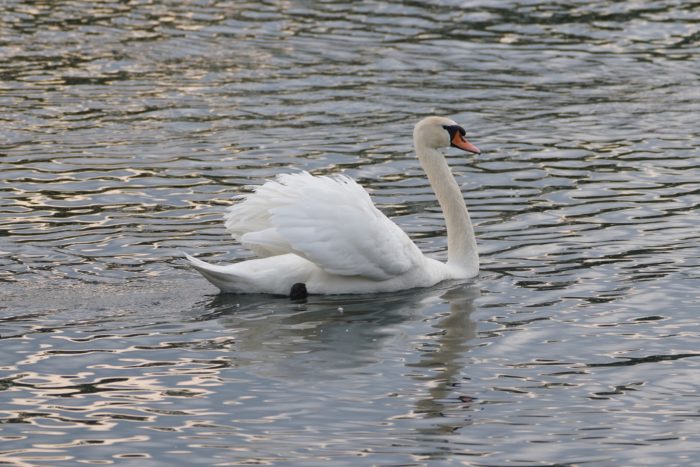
<point>452,129</point>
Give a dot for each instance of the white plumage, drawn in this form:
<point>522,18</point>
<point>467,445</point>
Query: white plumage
<point>325,232</point>
<point>329,221</point>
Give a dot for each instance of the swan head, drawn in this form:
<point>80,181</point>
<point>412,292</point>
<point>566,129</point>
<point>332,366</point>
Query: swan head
<point>441,132</point>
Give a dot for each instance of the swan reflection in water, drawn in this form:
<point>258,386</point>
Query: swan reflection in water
<point>411,344</point>
<point>446,363</point>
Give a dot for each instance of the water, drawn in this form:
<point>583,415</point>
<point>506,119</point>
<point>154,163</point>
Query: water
<point>127,127</point>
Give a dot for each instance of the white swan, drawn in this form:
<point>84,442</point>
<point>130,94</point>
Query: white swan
<point>325,232</point>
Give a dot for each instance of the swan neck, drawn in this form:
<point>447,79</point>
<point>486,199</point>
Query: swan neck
<point>461,243</point>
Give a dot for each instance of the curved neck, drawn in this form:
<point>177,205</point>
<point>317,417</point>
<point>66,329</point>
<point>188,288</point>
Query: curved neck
<point>461,243</point>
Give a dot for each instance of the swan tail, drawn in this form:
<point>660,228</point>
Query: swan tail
<point>221,276</point>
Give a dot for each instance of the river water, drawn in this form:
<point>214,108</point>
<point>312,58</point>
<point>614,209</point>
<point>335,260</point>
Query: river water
<point>127,127</point>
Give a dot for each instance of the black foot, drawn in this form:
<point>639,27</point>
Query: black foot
<point>298,291</point>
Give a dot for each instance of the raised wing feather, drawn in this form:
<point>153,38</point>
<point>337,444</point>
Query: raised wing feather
<point>330,221</point>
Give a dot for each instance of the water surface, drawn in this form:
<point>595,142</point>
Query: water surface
<point>127,128</point>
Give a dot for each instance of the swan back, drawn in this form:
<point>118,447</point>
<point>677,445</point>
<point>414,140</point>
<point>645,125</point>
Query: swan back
<point>330,221</point>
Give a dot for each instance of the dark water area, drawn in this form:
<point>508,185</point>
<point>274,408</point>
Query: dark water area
<point>126,128</point>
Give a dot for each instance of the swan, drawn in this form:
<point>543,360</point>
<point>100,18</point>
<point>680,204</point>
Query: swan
<point>325,232</point>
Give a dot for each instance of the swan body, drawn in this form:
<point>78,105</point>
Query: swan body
<point>325,232</point>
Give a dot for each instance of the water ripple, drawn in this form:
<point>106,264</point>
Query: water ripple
<point>127,128</point>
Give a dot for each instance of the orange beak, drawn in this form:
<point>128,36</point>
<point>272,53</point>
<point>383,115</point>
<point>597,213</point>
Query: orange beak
<point>461,142</point>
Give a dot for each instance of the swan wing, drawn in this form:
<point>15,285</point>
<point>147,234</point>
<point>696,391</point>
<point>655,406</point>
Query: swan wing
<point>331,221</point>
